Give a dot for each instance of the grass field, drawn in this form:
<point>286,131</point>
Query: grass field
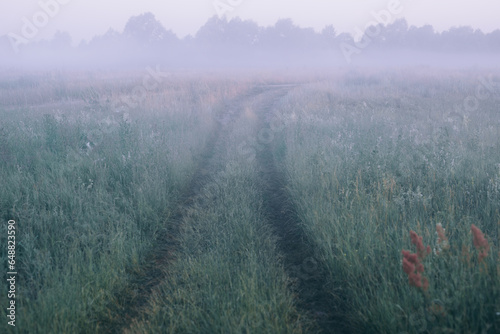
<point>265,204</point>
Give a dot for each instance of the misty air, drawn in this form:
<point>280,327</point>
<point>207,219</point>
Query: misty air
<point>236,166</point>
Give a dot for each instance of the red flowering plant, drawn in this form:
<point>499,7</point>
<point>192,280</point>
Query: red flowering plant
<point>412,262</point>
<point>480,243</point>
<point>442,243</point>
<point>449,295</point>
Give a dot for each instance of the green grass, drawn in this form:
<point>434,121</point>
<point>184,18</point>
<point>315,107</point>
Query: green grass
<point>367,158</point>
<point>367,164</point>
<point>227,277</point>
<point>89,189</point>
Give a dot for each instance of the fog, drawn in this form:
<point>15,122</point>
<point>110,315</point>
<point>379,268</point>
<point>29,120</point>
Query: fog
<point>226,166</point>
<point>386,40</point>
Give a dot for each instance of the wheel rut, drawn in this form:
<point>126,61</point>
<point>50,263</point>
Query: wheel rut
<point>298,251</point>
<point>131,301</point>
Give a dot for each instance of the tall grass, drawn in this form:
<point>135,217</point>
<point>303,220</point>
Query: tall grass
<point>369,161</point>
<point>90,187</point>
<point>227,277</point>
<point>368,158</point>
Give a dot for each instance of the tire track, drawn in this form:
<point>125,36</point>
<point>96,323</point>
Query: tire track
<point>131,300</point>
<point>298,251</point>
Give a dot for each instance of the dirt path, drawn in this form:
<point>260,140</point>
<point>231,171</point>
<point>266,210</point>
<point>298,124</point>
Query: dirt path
<point>300,259</point>
<point>132,299</point>
<point>298,252</point>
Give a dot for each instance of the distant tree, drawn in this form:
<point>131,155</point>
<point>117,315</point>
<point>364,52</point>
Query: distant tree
<point>479,41</point>
<point>422,38</point>
<point>329,36</point>
<point>61,40</point>
<point>460,39</point>
<point>146,30</point>
<point>214,31</point>
<point>235,33</point>
<point>242,33</point>
<point>345,38</point>
<point>110,39</point>
<point>286,35</point>
<point>396,33</point>
<point>492,40</point>
<point>285,27</point>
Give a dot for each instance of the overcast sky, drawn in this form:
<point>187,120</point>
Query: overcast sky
<point>85,18</point>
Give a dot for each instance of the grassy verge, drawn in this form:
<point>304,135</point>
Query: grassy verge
<point>371,159</point>
<point>90,187</point>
